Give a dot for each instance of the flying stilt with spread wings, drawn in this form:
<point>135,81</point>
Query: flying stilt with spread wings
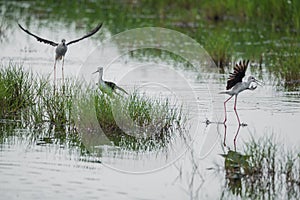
<point>61,48</point>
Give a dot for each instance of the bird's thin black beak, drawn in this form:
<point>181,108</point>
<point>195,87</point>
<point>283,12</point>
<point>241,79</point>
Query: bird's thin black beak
<point>261,83</point>
<point>95,72</point>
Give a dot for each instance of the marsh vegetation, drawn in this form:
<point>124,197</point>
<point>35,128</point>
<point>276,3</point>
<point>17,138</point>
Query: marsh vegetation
<point>31,99</point>
<point>265,169</point>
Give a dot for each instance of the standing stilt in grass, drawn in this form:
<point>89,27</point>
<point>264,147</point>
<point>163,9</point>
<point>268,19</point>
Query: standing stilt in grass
<point>106,84</point>
<point>61,48</point>
<point>235,85</point>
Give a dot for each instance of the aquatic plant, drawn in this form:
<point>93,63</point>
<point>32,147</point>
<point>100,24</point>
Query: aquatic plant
<point>285,65</point>
<point>33,101</point>
<point>137,118</point>
<point>263,170</point>
<point>16,91</point>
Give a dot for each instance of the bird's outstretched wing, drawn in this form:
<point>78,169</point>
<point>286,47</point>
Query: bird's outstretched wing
<point>92,32</point>
<point>39,38</point>
<point>238,74</point>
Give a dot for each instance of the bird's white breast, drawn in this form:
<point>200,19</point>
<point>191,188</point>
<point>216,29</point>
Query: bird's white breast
<point>61,49</point>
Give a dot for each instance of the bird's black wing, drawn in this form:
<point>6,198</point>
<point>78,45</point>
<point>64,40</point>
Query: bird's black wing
<point>238,74</point>
<point>39,38</point>
<point>110,84</point>
<point>92,32</point>
<point>113,86</point>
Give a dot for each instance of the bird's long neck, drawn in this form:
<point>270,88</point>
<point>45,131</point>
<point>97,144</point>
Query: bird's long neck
<point>101,81</point>
<point>248,84</point>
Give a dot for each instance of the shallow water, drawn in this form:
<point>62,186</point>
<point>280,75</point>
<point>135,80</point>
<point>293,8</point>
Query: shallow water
<point>32,171</point>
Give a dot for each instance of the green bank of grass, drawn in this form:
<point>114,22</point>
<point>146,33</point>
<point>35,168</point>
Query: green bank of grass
<point>284,63</point>
<point>138,118</point>
<point>279,13</point>
<point>16,91</point>
<point>132,117</point>
<point>228,30</point>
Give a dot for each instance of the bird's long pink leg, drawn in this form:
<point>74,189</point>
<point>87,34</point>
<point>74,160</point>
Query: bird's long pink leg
<point>234,140</point>
<point>54,81</point>
<point>236,111</point>
<point>225,134</point>
<point>225,109</point>
<point>62,70</point>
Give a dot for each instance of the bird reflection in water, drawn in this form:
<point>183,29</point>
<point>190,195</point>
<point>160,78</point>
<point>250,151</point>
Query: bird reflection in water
<point>236,167</point>
<point>235,136</point>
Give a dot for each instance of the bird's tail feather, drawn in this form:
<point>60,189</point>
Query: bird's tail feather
<point>223,92</point>
<point>121,89</point>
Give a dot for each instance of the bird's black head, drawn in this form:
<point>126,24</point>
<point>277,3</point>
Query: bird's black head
<point>251,79</point>
<point>100,70</point>
<point>63,41</point>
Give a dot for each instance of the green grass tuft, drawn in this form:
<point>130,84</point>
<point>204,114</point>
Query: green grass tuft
<point>125,119</point>
<point>16,91</point>
<point>137,118</point>
<point>263,170</point>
